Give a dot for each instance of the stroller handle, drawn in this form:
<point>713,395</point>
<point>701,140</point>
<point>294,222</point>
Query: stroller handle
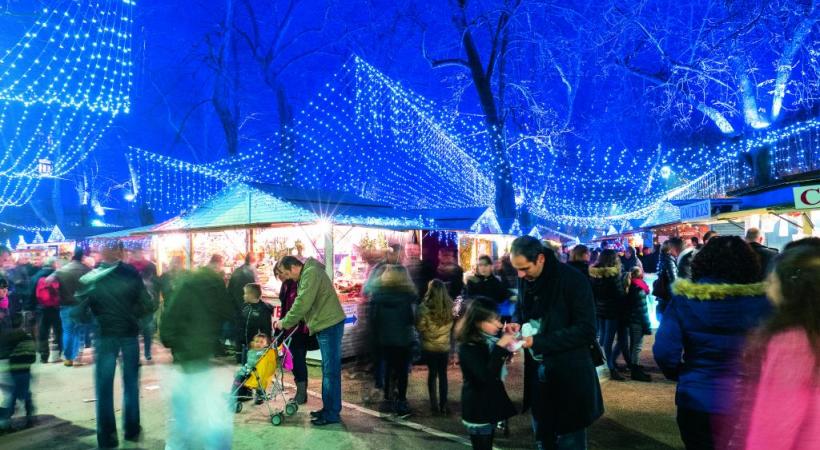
<point>285,340</point>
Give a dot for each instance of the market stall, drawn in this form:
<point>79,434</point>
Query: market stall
<point>347,233</point>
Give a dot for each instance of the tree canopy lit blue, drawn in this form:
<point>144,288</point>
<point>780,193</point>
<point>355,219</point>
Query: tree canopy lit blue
<point>566,111</point>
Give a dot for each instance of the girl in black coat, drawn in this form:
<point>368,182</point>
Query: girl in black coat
<point>482,354</point>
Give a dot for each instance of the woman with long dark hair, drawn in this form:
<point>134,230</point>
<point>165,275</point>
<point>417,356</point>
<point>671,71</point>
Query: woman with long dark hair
<point>702,335</point>
<point>784,401</point>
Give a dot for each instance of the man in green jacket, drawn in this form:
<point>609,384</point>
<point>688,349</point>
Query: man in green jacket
<point>318,305</point>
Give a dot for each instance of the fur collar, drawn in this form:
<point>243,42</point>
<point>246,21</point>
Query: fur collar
<point>604,272</point>
<point>717,291</point>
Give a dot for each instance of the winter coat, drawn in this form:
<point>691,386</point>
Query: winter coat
<point>116,296</point>
<point>69,278</point>
<point>316,301</point>
<point>255,318</point>
<point>287,295</point>
<point>243,275</point>
<point>434,337</point>
<point>193,315</point>
<point>784,413</point>
<point>490,287</point>
<point>32,302</point>
<point>580,266</point>
<point>638,308</point>
<point>568,391</point>
<point>765,254</point>
<point>701,338</point>
<point>684,262</point>
<point>483,397</point>
<point>20,287</point>
<point>609,292</point>
<point>18,347</point>
<point>628,264</point>
<point>391,317</point>
<point>667,274</point>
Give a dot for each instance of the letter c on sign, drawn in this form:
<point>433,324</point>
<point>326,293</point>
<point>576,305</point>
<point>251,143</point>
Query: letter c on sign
<point>804,197</point>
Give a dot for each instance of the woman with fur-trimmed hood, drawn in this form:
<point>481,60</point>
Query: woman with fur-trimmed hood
<point>702,335</point>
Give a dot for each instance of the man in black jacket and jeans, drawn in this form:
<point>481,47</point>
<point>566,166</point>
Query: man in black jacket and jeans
<point>560,381</point>
<point>116,296</point>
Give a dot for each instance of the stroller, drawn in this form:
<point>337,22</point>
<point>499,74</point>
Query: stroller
<point>265,379</point>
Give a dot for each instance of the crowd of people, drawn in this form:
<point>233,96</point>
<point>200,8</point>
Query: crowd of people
<point>739,333</point>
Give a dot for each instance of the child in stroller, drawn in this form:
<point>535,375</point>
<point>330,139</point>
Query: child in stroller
<point>259,346</point>
<point>261,378</point>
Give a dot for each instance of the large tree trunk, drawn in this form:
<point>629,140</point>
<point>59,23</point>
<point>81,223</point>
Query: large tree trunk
<point>286,143</point>
<point>224,94</point>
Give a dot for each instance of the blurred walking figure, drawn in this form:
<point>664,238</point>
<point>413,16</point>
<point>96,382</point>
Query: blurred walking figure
<point>74,332</point>
<point>148,273</point>
<point>784,409</point>
<point>391,318</point>
<point>116,297</point>
<point>17,345</point>
<point>47,293</point>
<point>701,337</point>
<point>435,323</point>
<point>190,324</point>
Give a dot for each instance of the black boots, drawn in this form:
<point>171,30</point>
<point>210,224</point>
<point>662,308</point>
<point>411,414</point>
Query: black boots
<point>638,374</point>
<point>301,393</point>
<point>482,441</point>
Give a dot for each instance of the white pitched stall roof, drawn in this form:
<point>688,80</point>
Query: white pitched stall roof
<point>477,220</point>
<point>665,214</point>
<point>259,204</point>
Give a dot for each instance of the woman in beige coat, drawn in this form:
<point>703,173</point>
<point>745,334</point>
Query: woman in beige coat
<point>434,323</point>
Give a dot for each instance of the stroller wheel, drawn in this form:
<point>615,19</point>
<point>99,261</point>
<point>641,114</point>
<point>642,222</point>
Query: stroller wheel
<point>276,419</point>
<point>238,407</point>
<point>291,408</point>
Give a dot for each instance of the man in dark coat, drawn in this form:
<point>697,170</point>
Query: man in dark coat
<point>755,238</point>
<point>560,380</point>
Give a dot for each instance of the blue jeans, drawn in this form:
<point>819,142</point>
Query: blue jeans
<point>609,328</point>
<point>577,440</point>
<point>330,345</point>
<point>147,328</point>
<point>20,391</point>
<point>73,333</point>
<point>107,349</point>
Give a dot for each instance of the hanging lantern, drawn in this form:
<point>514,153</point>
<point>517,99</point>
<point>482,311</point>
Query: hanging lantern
<point>45,167</point>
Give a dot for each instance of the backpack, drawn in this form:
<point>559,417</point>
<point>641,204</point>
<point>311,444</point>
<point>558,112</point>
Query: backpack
<point>48,292</point>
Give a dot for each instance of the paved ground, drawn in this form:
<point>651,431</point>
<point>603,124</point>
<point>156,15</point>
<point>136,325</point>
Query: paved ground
<point>639,415</point>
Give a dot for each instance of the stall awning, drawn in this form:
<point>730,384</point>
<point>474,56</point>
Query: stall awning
<point>241,205</point>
